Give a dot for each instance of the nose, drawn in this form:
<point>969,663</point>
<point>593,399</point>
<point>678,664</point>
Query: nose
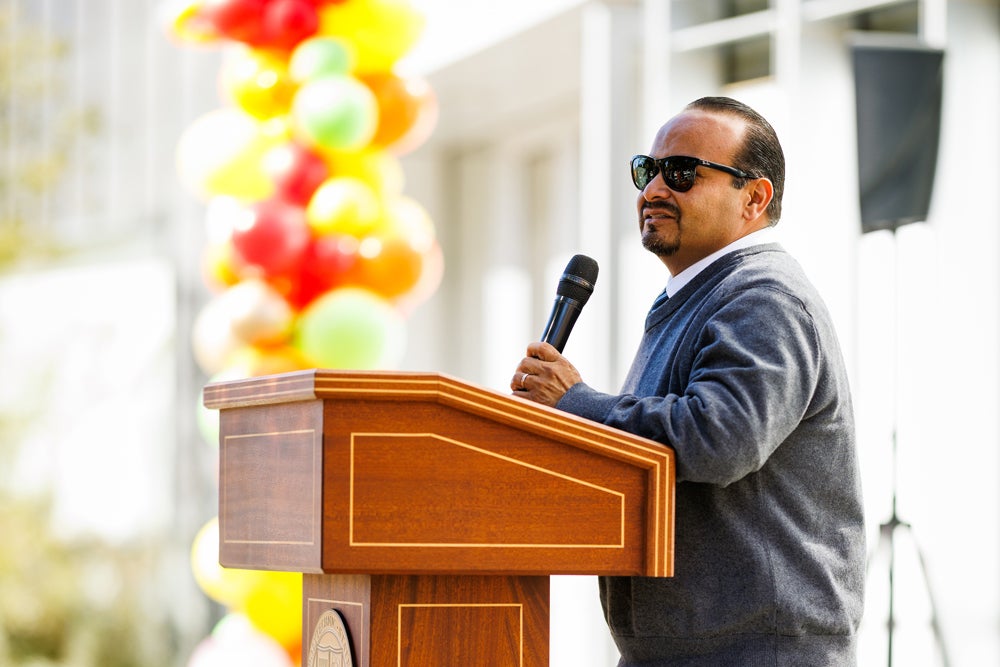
<point>656,188</point>
<point>656,195</point>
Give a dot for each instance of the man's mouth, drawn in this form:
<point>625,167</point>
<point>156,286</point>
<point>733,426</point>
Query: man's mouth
<point>652,215</point>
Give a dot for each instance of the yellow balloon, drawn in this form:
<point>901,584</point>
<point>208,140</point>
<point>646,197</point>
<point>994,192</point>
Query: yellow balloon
<point>381,31</point>
<point>182,22</point>
<point>227,586</point>
<point>378,168</point>
<point>406,219</point>
<point>274,606</point>
<point>257,81</point>
<point>222,153</point>
<point>218,266</point>
<point>344,205</point>
<point>256,361</point>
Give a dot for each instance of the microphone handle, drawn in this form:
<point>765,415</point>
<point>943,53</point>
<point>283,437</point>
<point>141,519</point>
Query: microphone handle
<point>561,321</point>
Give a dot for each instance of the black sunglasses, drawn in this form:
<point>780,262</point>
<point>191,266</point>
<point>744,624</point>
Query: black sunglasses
<point>678,170</point>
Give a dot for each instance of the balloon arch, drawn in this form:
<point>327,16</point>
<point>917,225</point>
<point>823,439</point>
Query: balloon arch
<point>314,255</point>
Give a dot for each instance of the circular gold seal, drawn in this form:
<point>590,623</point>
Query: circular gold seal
<point>330,645</point>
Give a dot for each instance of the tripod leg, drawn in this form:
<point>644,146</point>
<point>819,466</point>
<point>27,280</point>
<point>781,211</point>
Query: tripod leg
<point>887,544</point>
<point>889,531</point>
<point>935,622</point>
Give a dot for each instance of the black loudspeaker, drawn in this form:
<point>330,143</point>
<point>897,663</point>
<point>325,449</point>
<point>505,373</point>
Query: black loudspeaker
<point>898,84</point>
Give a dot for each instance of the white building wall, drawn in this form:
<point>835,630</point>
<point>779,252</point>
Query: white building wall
<point>936,380</point>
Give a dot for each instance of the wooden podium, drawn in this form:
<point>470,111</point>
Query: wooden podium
<point>426,513</point>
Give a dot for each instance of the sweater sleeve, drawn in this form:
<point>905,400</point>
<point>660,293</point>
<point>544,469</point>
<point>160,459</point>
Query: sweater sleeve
<point>754,371</point>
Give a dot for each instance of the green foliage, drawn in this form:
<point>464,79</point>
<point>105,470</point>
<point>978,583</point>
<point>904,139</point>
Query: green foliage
<point>70,602</point>
<point>39,131</point>
<point>64,601</point>
<point>74,603</point>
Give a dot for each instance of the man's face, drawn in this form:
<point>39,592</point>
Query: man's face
<point>683,227</point>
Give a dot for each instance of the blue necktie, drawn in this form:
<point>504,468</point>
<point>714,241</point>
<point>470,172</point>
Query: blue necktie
<point>660,300</point>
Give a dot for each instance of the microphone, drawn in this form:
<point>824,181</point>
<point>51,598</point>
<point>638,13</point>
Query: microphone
<point>575,287</point>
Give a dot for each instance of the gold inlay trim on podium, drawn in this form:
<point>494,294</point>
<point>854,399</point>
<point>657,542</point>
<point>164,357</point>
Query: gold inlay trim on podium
<point>312,503</point>
<point>657,457</point>
<point>353,543</point>
<point>334,385</point>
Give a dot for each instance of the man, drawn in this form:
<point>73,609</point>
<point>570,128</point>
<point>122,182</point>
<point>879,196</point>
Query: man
<point>740,372</point>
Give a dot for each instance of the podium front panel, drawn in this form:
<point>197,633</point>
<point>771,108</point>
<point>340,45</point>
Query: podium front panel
<point>415,473</point>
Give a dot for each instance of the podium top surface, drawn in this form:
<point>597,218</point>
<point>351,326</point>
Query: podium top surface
<point>385,471</point>
<point>411,386</point>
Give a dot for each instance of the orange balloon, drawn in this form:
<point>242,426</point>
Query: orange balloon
<point>407,110</point>
<point>389,266</point>
<point>294,650</point>
<point>430,279</point>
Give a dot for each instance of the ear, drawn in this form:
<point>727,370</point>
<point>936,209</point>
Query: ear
<point>760,191</point>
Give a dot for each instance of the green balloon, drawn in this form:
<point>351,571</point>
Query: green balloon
<point>351,328</point>
<point>318,57</point>
<point>208,423</point>
<point>336,112</point>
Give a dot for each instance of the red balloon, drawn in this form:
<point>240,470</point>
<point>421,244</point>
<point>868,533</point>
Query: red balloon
<point>241,20</point>
<point>296,171</point>
<point>328,262</point>
<point>288,22</point>
<point>272,236</point>
<point>320,3</point>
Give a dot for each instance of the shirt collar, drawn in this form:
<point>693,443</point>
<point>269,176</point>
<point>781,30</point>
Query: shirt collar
<point>758,237</point>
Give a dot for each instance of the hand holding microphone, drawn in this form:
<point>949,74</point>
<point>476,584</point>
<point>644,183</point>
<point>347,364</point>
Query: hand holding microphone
<point>543,376</point>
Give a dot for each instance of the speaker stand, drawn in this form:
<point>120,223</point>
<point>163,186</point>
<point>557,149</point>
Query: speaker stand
<point>887,544</point>
<point>887,531</point>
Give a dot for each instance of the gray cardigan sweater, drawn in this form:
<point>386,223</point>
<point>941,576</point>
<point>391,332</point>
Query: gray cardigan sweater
<point>741,373</point>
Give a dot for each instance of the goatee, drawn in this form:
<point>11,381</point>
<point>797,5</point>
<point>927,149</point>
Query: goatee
<point>659,246</point>
<point>651,238</point>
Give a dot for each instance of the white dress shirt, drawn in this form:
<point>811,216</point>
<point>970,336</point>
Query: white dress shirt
<point>758,237</point>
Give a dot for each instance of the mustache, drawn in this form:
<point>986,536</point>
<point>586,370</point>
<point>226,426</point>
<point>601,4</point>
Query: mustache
<point>661,207</point>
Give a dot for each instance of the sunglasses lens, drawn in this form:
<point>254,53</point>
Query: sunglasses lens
<point>679,173</point>
<point>643,171</point>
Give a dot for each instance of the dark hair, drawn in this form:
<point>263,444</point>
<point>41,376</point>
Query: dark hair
<point>760,154</point>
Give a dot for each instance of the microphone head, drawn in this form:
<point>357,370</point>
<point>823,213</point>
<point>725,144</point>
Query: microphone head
<point>578,279</point>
